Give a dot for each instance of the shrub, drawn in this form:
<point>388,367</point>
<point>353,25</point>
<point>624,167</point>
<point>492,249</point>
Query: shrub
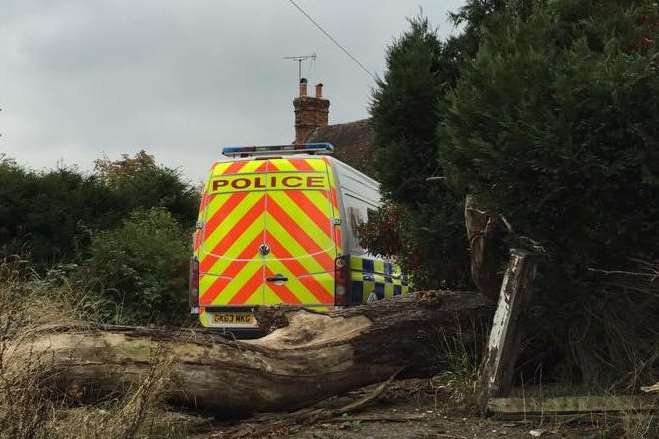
<point>42,213</point>
<point>429,242</point>
<point>141,183</point>
<point>142,267</point>
<point>51,215</point>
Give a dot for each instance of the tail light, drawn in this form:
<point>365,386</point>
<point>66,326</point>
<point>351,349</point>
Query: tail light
<point>341,296</point>
<point>193,288</point>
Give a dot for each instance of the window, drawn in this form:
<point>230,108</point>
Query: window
<point>357,212</point>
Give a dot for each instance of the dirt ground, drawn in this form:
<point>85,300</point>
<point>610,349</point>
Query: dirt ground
<point>411,409</point>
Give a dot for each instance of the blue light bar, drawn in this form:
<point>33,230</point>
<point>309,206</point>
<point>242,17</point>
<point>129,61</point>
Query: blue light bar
<point>305,148</point>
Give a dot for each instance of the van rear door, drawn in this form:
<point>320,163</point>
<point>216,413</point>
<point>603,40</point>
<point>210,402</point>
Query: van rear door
<point>300,233</point>
<point>268,235</point>
<point>231,266</point>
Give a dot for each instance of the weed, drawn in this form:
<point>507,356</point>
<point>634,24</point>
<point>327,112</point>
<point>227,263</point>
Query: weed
<point>139,414</point>
<point>24,402</point>
<point>460,377</point>
<point>29,407</point>
<point>640,425</point>
<point>614,344</point>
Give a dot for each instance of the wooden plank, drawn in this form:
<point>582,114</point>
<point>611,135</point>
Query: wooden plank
<point>571,405</point>
<point>499,361</point>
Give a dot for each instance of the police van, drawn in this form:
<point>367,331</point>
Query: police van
<point>278,225</point>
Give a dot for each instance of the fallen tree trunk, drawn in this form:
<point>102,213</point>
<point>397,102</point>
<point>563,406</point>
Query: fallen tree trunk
<point>313,357</point>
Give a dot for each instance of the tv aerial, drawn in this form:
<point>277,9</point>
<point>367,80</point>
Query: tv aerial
<point>299,60</point>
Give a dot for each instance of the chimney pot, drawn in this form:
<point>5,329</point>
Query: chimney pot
<point>303,87</point>
<point>319,90</point>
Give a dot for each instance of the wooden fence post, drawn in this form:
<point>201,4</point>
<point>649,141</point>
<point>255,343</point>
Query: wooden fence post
<point>505,337</point>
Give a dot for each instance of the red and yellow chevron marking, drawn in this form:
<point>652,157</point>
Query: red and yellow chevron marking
<point>295,222</point>
<point>233,269</point>
<point>283,261</point>
<point>226,168</point>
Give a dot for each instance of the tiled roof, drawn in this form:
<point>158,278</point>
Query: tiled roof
<point>353,142</point>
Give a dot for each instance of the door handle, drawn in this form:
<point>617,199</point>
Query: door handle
<point>277,278</point>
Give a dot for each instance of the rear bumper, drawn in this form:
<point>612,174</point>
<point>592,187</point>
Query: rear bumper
<point>240,333</point>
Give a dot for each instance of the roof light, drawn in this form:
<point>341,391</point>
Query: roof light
<point>305,148</point>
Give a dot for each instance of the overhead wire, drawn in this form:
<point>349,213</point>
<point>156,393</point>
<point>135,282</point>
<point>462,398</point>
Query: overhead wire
<point>332,39</point>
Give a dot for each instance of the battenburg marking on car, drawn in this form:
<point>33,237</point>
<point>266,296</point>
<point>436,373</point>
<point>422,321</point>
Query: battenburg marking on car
<point>374,279</point>
<point>278,226</point>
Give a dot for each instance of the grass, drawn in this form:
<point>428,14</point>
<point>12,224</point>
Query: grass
<point>30,407</point>
<point>640,425</point>
<point>138,414</point>
<point>633,345</point>
<point>460,375</point>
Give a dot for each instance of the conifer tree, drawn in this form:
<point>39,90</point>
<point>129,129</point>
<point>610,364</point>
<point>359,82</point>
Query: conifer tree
<point>555,124</point>
<point>405,116</point>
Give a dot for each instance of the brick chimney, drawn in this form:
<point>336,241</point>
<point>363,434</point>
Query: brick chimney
<point>310,112</point>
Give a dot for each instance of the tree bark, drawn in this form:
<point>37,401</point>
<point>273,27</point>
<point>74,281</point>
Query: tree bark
<point>315,356</point>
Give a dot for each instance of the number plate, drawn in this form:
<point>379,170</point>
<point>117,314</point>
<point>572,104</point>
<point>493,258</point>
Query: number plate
<point>233,319</point>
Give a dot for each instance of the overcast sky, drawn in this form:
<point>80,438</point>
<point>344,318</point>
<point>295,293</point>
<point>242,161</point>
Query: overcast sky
<point>84,78</point>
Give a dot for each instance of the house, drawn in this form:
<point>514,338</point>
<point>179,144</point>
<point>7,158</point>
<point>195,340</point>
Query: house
<point>353,141</point>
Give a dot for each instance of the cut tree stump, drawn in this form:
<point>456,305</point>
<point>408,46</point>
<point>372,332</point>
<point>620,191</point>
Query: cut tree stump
<point>505,337</point>
<point>315,356</point>
<point>485,233</point>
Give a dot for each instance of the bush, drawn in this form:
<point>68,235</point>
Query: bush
<point>141,183</point>
<point>142,267</point>
<point>51,215</point>
<point>429,242</point>
<point>42,213</point>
